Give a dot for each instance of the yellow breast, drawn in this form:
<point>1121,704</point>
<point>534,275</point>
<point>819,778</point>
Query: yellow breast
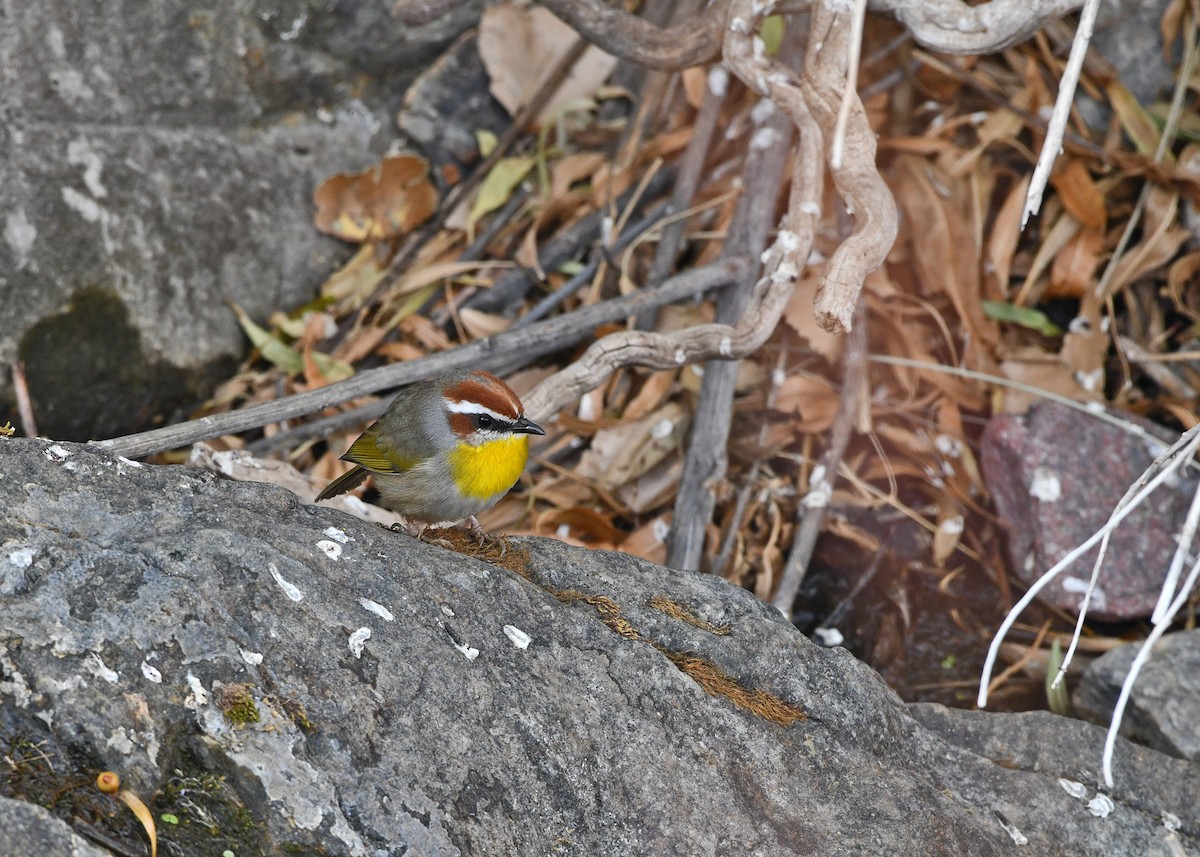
<point>481,472</point>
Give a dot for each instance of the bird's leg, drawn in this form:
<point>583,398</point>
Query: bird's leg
<point>485,538</point>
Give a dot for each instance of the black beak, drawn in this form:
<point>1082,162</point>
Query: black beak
<point>525,426</point>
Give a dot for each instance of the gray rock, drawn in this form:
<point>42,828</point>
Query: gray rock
<point>26,829</point>
<point>159,164</point>
<point>1164,707</point>
<point>1055,476</point>
<point>285,676</point>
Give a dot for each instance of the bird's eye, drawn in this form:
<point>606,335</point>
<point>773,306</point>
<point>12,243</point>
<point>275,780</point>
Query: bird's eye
<point>484,421</point>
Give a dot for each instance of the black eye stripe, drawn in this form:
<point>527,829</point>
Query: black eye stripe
<point>488,422</point>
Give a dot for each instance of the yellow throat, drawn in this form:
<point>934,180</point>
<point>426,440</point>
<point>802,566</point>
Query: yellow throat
<point>481,472</point>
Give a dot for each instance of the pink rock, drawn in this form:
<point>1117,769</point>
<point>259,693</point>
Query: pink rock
<point>1055,476</point>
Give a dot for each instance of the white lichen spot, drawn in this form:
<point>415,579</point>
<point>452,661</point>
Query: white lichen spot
<point>151,673</point>
<point>680,356</point>
<point>358,641</point>
<point>810,208</point>
<point>446,611</point>
<point>197,696</point>
<point>467,651</point>
<point>786,272</point>
<point>289,589</point>
<point>338,535</point>
<point>330,548</point>
<point>759,47</point>
<point>819,493</point>
<point>1073,788</point>
<point>1101,806</point>
<point>57,453</point>
<point>1014,834</point>
<point>81,154</point>
<point>952,526</point>
<point>293,32</point>
<point>739,26</point>
<point>22,557</point>
<point>763,110</point>
<point>789,242</point>
<point>763,139</point>
<point>828,637</point>
<point>1090,381</point>
<point>951,447</point>
<point>20,234</point>
<point>377,608</point>
<point>662,429</point>
<point>120,741</point>
<point>519,638</point>
<point>1045,486</point>
<point>1078,586</point>
<point>85,206</point>
<point>251,658</point>
<point>718,81</point>
<point>1171,821</point>
<point>725,347</point>
<point>95,665</point>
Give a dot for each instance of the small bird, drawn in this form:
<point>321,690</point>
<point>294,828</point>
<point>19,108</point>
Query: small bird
<point>445,450</point>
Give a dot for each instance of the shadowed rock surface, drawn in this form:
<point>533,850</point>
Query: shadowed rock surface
<point>284,676</point>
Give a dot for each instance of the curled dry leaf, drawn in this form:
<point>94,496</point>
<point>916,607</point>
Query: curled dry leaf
<point>520,44</point>
<point>382,202</point>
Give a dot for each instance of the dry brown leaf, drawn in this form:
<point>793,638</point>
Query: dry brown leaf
<point>482,324</point>
<point>1035,368</point>
<point>1065,228</point>
<point>521,44</point>
<point>695,85</point>
<point>429,274</point>
<point>656,386</point>
<point>581,519</point>
<point>945,250</point>
<point>800,316</point>
<point>649,541</point>
<point>377,204</point>
<point>1079,194</point>
<point>1074,268</point>
<point>571,169</point>
<point>1002,243</point>
<point>813,399</point>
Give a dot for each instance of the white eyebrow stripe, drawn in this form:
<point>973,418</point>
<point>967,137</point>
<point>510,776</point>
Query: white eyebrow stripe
<point>474,408</point>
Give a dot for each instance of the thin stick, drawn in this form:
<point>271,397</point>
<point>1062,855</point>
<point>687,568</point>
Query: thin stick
<point>1052,145</point>
<point>24,404</point>
<point>838,145</point>
<point>534,341</point>
<point>812,509</point>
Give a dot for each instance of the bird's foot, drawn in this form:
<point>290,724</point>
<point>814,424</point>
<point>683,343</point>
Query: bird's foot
<point>485,538</point>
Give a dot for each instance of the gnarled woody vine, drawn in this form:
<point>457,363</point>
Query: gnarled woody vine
<point>811,100</point>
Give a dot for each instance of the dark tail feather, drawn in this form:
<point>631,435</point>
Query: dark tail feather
<point>343,483</point>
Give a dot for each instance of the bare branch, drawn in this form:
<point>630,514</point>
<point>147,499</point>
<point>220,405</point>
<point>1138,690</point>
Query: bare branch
<point>529,342</point>
<point>619,33</point>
